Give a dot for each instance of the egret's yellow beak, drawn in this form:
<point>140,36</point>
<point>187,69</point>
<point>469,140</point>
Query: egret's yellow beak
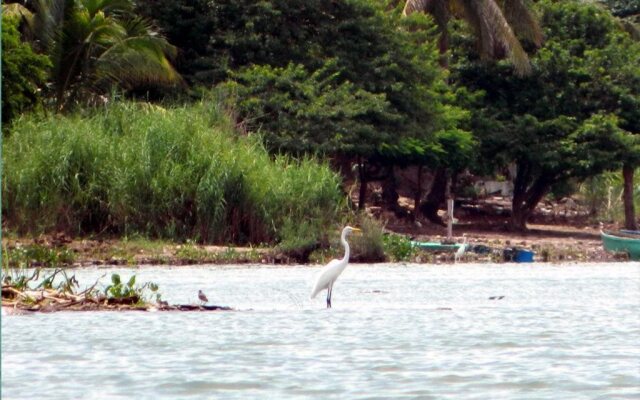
<point>357,230</point>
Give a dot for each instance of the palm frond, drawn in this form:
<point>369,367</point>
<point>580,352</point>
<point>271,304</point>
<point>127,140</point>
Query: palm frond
<point>412,6</point>
<point>633,29</point>
<point>48,23</point>
<point>495,33</point>
<point>16,10</point>
<point>128,68</point>
<point>141,56</point>
<point>139,27</point>
<point>439,10</point>
<point>109,7</point>
<point>522,20</point>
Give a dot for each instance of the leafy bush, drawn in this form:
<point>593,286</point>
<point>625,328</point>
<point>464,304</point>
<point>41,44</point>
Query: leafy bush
<point>398,247</point>
<point>129,291</point>
<point>37,255</point>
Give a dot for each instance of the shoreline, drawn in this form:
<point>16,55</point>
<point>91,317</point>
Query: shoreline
<point>550,243</point>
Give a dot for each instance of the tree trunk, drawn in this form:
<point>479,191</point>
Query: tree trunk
<point>519,218</point>
<point>417,195</point>
<point>629,207</point>
<point>362,196</point>
<point>429,208</point>
<point>389,190</point>
<point>525,200</point>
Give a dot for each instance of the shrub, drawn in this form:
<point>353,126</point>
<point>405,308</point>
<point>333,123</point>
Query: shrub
<point>398,247</point>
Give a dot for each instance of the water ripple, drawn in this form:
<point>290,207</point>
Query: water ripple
<point>410,331</point>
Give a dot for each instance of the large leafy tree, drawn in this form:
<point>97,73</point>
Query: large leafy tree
<point>97,44</point>
<point>497,28</point>
<point>574,116</point>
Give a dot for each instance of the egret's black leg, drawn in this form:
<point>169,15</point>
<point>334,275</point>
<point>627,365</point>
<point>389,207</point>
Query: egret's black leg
<point>329,289</point>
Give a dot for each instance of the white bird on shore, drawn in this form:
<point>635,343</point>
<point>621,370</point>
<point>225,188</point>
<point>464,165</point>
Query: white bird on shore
<point>202,297</point>
<point>328,275</point>
<point>461,249</point>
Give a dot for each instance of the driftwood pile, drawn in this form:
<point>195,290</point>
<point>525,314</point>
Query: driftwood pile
<point>52,300</point>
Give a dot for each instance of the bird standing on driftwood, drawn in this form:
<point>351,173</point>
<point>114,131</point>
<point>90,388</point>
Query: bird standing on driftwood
<point>202,297</point>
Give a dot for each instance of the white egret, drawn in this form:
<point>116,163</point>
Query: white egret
<point>202,297</point>
<point>328,275</point>
<point>461,249</point>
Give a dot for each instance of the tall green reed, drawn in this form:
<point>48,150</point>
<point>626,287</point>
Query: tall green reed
<point>175,173</point>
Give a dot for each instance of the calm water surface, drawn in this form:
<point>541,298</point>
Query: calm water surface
<point>396,331</point>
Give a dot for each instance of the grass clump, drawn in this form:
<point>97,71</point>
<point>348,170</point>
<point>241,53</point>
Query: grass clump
<point>36,255</point>
<point>369,246</point>
<point>176,173</point>
<point>398,247</point>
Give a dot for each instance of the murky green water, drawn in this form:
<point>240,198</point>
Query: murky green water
<point>416,332</point>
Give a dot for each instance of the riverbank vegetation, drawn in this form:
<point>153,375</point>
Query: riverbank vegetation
<point>271,124</point>
<point>173,173</point>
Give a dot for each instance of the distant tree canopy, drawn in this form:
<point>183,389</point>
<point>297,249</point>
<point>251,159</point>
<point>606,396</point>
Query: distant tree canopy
<point>574,116</point>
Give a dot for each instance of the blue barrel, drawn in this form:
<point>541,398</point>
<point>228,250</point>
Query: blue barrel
<point>523,256</point>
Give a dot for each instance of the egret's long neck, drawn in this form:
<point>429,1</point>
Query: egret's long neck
<point>343,239</point>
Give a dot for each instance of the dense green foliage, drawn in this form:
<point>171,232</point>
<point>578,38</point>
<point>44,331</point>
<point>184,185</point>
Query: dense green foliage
<point>375,95</point>
<point>353,81</point>
<point>95,46</point>
<point>335,78</point>
<point>173,173</point>
<point>222,36</point>
<point>23,72</point>
<point>574,116</point>
<point>300,112</point>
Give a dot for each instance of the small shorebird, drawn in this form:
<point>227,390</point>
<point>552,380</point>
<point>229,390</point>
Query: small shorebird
<point>202,297</point>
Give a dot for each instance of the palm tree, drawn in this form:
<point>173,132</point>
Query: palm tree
<point>97,44</point>
<point>493,22</point>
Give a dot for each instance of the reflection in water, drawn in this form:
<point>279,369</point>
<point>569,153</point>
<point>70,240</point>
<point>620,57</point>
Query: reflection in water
<point>458,332</point>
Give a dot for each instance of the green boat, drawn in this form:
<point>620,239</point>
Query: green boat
<point>622,242</point>
<point>436,246</point>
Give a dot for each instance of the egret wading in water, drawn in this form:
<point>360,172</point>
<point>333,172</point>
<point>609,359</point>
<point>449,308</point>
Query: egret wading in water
<point>328,275</point>
<point>461,249</point>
